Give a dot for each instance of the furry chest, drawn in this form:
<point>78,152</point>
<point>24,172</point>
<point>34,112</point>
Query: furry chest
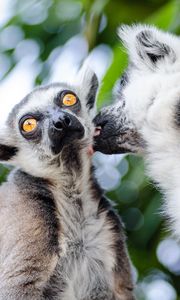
<point>86,257</point>
<point>87,238</point>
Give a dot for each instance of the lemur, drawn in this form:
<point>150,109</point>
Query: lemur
<point>145,118</point>
<point>60,238</point>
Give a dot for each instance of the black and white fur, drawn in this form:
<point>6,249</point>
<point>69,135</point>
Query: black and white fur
<point>146,116</point>
<point>60,238</point>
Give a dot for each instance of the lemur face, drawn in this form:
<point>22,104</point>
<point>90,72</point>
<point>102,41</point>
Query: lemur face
<point>48,121</point>
<point>153,74</point>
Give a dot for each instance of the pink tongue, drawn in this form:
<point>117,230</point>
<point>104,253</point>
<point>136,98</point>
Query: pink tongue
<point>90,150</point>
<point>97,131</point>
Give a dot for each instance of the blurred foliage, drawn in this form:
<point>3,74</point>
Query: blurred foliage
<point>51,23</point>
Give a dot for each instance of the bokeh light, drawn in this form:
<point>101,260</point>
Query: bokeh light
<point>168,253</point>
<point>159,289</point>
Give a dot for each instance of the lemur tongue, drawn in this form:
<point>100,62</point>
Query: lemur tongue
<point>97,131</point>
<point>90,150</point>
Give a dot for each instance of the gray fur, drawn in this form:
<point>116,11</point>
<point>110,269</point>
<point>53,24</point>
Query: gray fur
<point>59,237</point>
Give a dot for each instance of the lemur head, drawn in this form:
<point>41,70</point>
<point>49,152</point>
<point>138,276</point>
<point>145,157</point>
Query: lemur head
<point>50,124</point>
<point>153,71</point>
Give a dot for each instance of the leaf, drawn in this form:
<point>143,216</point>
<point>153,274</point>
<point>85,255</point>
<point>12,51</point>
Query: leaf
<point>114,72</point>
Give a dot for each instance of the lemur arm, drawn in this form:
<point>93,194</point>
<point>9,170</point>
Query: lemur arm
<point>162,156</point>
<point>124,288</point>
<point>26,263</point>
<point>123,285</point>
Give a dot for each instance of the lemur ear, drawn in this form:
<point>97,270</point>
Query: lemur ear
<point>7,151</point>
<point>147,46</point>
<point>90,84</point>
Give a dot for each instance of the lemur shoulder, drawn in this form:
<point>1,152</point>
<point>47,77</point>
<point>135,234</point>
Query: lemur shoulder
<point>145,118</point>
<point>60,238</point>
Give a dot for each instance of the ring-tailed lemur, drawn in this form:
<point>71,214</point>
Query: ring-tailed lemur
<point>60,238</point>
<point>146,117</point>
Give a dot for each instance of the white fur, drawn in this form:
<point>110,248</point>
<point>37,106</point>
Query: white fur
<point>128,35</point>
<point>151,97</point>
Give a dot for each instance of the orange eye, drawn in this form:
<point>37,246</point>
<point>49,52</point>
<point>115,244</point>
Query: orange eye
<point>69,100</point>
<point>29,125</point>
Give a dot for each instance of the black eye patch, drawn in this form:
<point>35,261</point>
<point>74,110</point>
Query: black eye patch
<point>30,126</point>
<point>68,100</point>
<point>121,84</point>
<point>124,79</point>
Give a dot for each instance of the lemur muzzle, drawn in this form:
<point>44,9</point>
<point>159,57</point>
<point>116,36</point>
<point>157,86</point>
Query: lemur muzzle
<point>64,129</point>
<point>62,122</point>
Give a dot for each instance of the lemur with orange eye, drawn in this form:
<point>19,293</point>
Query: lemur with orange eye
<point>60,238</point>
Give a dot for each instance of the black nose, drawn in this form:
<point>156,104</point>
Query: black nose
<point>64,129</point>
<point>63,121</point>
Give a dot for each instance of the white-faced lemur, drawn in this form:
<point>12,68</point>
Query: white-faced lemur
<point>60,238</point>
<point>146,116</point>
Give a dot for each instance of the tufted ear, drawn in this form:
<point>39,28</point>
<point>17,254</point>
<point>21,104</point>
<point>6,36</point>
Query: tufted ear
<point>147,46</point>
<point>7,150</point>
<point>89,86</point>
